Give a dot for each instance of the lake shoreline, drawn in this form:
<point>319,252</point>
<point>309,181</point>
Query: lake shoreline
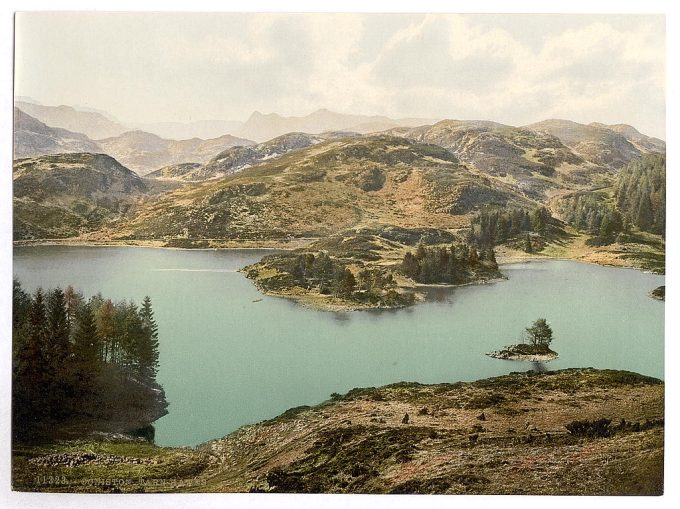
<point>507,355</point>
<point>281,245</point>
<point>275,245</point>
<point>444,329</point>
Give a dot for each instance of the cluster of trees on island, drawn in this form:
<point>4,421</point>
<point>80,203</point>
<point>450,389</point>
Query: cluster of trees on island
<point>639,201</point>
<point>539,334</point>
<point>489,228</point>
<point>535,342</point>
<point>332,276</point>
<point>456,264</point>
<point>77,360</point>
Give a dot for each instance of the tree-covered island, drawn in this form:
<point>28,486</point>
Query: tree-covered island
<point>377,267</point>
<point>535,347</point>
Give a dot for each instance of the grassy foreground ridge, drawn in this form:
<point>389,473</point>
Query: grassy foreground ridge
<point>569,432</point>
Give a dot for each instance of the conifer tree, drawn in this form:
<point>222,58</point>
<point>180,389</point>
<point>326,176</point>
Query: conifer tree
<point>57,352</point>
<point>106,328</point>
<point>31,394</point>
<point>148,347</point>
<point>58,329</point>
<point>86,344</point>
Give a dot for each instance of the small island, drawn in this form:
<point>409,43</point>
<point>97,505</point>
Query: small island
<point>534,348</point>
<point>658,293</point>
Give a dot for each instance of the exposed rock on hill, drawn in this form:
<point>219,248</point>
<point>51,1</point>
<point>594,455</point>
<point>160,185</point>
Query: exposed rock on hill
<point>530,161</point>
<point>641,142</point>
<point>595,142</point>
<point>174,171</point>
<point>238,158</point>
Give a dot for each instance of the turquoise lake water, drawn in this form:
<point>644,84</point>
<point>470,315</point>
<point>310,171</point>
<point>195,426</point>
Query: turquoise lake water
<point>227,360</point>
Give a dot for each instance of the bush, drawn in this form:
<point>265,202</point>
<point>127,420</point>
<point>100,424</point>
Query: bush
<point>590,429</point>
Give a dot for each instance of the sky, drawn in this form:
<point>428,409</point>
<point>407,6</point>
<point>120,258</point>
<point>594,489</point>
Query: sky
<point>511,68</point>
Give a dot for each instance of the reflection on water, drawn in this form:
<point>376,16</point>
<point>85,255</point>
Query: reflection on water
<point>540,367</point>
<point>341,316</point>
<point>437,294</point>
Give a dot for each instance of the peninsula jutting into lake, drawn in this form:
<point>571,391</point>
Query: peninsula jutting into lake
<point>327,302</point>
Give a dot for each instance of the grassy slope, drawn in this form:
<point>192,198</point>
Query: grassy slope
<point>503,435</point>
<point>644,251</point>
<point>64,195</point>
<point>323,189</point>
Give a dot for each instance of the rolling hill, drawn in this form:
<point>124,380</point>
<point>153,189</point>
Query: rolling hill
<point>597,143</point>
<point>533,163</point>
<point>238,158</point>
<point>324,188</point>
<point>64,195</point>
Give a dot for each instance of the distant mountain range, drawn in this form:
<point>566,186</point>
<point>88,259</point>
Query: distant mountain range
<point>145,152</point>
<point>261,127</point>
<point>139,151</point>
<point>91,123</point>
<point>97,124</point>
<point>204,129</point>
<point>33,138</point>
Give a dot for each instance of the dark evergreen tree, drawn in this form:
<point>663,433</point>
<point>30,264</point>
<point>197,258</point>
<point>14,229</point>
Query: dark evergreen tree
<point>148,347</point>
<point>58,328</point>
<point>58,350</point>
<point>21,307</point>
<point>107,330</point>
<point>32,377</point>
<point>86,347</point>
<point>409,266</point>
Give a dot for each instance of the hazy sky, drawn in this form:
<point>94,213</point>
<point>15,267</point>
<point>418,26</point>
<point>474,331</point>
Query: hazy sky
<point>514,69</point>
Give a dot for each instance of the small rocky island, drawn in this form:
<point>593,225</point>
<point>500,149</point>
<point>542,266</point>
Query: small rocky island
<point>658,293</point>
<point>534,348</point>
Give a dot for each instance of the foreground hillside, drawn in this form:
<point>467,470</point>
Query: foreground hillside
<point>568,432</point>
